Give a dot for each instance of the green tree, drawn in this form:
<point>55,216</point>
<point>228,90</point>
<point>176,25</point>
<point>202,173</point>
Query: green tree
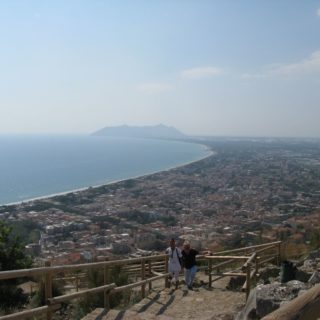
<point>27,230</point>
<point>12,257</point>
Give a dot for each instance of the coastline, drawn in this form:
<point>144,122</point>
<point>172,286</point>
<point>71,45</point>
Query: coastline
<point>75,191</point>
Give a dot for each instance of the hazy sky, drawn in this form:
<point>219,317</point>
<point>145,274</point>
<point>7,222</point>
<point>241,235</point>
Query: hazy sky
<point>216,67</point>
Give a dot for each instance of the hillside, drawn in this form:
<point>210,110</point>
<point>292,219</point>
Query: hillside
<point>152,132</point>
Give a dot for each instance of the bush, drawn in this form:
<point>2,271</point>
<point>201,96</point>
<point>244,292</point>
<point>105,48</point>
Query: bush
<point>12,257</point>
<point>95,279</point>
<point>39,297</point>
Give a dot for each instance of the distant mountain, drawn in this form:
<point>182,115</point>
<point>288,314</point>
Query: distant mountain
<point>156,132</point>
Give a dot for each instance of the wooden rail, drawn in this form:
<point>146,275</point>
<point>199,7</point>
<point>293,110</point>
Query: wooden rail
<point>137,284</point>
<point>148,269</point>
<point>48,272</point>
<point>75,295</point>
<point>251,266</point>
<point>29,314</point>
<point>26,314</point>
<point>13,274</point>
<point>253,248</point>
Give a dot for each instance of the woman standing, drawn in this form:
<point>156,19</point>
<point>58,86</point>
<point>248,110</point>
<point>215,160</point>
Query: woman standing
<point>174,266</point>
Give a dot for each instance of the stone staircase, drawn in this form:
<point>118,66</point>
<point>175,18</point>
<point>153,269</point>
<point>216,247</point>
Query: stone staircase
<point>201,304</point>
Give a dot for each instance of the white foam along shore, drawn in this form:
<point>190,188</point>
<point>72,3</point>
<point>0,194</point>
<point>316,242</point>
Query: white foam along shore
<point>210,153</point>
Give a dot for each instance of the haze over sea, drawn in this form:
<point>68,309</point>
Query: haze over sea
<point>40,165</point>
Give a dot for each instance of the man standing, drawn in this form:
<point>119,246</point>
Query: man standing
<point>189,262</point>
<point>174,266</point>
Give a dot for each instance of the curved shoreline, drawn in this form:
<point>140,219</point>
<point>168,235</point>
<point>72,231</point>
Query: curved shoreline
<point>211,152</point>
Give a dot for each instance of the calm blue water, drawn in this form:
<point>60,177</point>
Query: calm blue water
<point>35,166</point>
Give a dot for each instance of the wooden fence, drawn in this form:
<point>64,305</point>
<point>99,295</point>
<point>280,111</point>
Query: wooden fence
<point>145,269</point>
<point>254,257</point>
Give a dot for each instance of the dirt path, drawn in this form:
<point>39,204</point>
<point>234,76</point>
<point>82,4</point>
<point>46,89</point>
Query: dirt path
<point>203,303</point>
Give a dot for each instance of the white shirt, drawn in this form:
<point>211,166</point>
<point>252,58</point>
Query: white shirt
<point>173,255</point>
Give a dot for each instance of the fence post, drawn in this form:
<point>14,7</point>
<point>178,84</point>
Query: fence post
<point>77,282</point>
<point>279,254</point>
<point>106,295</point>
<point>257,265</point>
<point>143,276</point>
<point>150,274</point>
<point>166,269</point>
<point>48,288</point>
<point>248,283</point>
<point>210,273</point>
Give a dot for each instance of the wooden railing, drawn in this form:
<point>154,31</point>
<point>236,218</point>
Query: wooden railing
<point>254,257</point>
<point>146,272</point>
<point>145,269</point>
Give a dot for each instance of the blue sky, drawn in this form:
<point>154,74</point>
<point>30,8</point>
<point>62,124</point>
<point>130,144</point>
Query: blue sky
<point>235,68</point>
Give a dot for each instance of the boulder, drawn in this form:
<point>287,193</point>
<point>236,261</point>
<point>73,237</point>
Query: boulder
<point>315,278</point>
<point>302,276</point>
<point>309,265</point>
<point>235,283</point>
<point>269,273</point>
<point>313,255</point>
<point>267,298</point>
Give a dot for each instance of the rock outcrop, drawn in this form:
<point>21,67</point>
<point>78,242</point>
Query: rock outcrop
<point>273,291</point>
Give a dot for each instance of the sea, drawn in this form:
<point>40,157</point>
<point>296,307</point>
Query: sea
<point>33,166</point>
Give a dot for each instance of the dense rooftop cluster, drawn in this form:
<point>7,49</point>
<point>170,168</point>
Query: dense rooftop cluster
<point>247,192</point>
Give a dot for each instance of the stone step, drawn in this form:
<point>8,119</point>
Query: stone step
<point>102,314</point>
<point>94,314</point>
<point>202,303</point>
<point>151,307</point>
<point>157,303</point>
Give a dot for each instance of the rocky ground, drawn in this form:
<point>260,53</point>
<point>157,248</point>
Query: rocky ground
<point>276,287</point>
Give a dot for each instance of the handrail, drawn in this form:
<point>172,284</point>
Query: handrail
<point>249,261</point>
<point>254,258</point>
<point>228,257</point>
<point>49,272</point>
<point>251,247</point>
<point>25,314</point>
<point>137,284</point>
<point>222,264</point>
<point>71,296</point>
<point>13,274</point>
<point>265,249</point>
